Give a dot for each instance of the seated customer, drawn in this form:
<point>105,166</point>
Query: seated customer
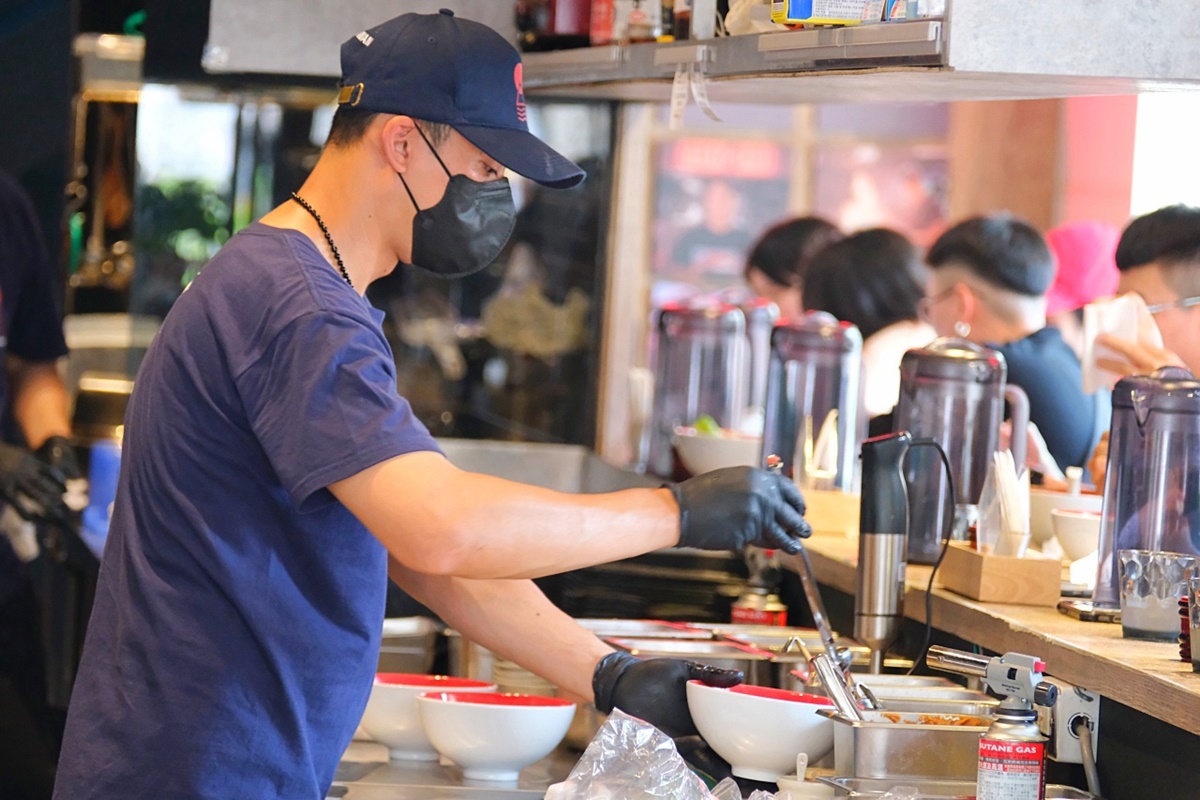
<point>1158,257</point>
<point>988,284</point>
<point>875,280</point>
<point>777,265</point>
<point>1087,271</point>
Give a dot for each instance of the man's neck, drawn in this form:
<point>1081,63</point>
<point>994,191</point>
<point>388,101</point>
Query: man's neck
<point>999,332</point>
<point>350,215</point>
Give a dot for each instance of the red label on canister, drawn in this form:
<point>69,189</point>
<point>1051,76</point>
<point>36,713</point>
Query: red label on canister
<point>1011,770</point>
<point>603,18</point>
<point>759,616</point>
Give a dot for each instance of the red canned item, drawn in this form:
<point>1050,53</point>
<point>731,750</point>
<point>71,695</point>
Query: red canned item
<point>756,608</point>
<point>1012,766</point>
<point>603,19</point>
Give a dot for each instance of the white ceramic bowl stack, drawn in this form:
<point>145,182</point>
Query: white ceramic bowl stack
<point>392,719</point>
<point>494,736</point>
<point>1042,502</point>
<point>512,679</point>
<point>1078,532</point>
<point>759,730</point>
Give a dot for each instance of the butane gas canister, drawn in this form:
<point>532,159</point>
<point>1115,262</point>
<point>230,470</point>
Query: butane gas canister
<point>1012,758</point>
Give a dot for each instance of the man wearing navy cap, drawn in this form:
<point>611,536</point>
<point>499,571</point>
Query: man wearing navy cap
<point>273,478</point>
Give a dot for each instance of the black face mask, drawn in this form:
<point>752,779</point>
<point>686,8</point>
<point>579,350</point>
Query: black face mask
<point>466,230</point>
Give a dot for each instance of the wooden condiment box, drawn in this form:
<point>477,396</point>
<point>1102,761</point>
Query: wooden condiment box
<point>832,513</point>
<point>1031,581</point>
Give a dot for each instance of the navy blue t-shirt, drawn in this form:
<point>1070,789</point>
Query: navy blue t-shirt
<point>30,317</point>
<point>238,615</point>
<point>1046,367</point>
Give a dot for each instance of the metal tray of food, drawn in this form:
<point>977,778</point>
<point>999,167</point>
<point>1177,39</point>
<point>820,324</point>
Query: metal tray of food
<point>920,692</point>
<point>644,629</point>
<point>931,789</point>
<point>984,707</point>
<point>893,744</point>
<point>754,663</point>
<point>891,686</point>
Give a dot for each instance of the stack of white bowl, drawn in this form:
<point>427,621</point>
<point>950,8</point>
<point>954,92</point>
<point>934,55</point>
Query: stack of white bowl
<point>513,679</point>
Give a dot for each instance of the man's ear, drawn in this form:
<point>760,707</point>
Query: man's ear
<point>396,140</point>
<point>968,301</point>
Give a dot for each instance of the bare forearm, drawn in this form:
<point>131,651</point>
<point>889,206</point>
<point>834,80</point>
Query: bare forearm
<point>440,520</point>
<point>39,401</point>
<point>514,620</point>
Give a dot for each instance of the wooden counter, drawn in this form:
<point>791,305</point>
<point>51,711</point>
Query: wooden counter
<point>1146,676</point>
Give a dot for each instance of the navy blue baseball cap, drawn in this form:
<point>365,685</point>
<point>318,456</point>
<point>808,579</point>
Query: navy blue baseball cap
<point>440,68</point>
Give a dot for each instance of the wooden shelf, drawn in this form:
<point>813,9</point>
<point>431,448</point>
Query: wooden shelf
<point>982,50</point>
<point>1145,676</point>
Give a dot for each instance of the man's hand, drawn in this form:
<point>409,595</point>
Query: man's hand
<point>654,690</point>
<point>1038,457</point>
<point>728,509</point>
<point>1098,465</point>
<point>34,488</point>
<point>58,452</point>
<point>1134,358</point>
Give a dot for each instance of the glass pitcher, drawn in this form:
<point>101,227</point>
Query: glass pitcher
<point>700,369</point>
<point>1152,484</point>
<point>814,419</point>
<point>953,392</point>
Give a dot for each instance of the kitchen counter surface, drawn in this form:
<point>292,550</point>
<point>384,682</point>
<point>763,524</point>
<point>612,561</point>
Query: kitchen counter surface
<point>1146,676</point>
<point>367,774</point>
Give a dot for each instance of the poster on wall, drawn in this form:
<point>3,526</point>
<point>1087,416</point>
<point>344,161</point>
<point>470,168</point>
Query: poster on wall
<point>713,198</point>
<point>898,186</point>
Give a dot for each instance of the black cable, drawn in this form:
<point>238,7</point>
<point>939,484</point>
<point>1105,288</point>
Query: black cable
<point>947,536</point>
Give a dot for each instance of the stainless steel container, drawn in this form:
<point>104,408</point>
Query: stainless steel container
<point>467,659</point>
<point>888,693</point>
<point>924,692</point>
<point>876,747</point>
<point>408,645</point>
<point>931,789</point>
<point>756,664</point>
<point>935,705</point>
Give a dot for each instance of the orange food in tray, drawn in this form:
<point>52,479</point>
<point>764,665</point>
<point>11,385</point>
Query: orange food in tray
<point>958,720</point>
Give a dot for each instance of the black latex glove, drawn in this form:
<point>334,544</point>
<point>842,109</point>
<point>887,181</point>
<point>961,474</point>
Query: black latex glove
<point>728,509</point>
<point>58,452</point>
<point>655,690</point>
<point>31,486</point>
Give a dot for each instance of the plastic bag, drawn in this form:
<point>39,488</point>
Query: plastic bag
<point>630,760</point>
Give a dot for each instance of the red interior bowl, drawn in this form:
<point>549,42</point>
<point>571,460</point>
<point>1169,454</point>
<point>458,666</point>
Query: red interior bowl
<point>428,681</point>
<point>498,699</point>
<point>779,694</point>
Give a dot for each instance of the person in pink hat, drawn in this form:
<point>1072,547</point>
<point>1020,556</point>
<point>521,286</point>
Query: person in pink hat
<point>1087,271</point>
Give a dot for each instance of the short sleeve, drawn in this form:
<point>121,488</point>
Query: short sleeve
<point>323,404</point>
<point>35,330</point>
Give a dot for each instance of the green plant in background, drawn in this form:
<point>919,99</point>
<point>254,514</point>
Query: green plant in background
<point>180,225</point>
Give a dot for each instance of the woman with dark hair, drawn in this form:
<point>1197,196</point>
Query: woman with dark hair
<point>781,257</point>
<point>874,280</point>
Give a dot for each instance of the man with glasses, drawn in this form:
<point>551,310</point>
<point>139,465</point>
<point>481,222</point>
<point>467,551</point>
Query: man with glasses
<point>1159,258</point>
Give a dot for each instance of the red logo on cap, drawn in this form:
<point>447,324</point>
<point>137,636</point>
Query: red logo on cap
<point>519,80</point>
